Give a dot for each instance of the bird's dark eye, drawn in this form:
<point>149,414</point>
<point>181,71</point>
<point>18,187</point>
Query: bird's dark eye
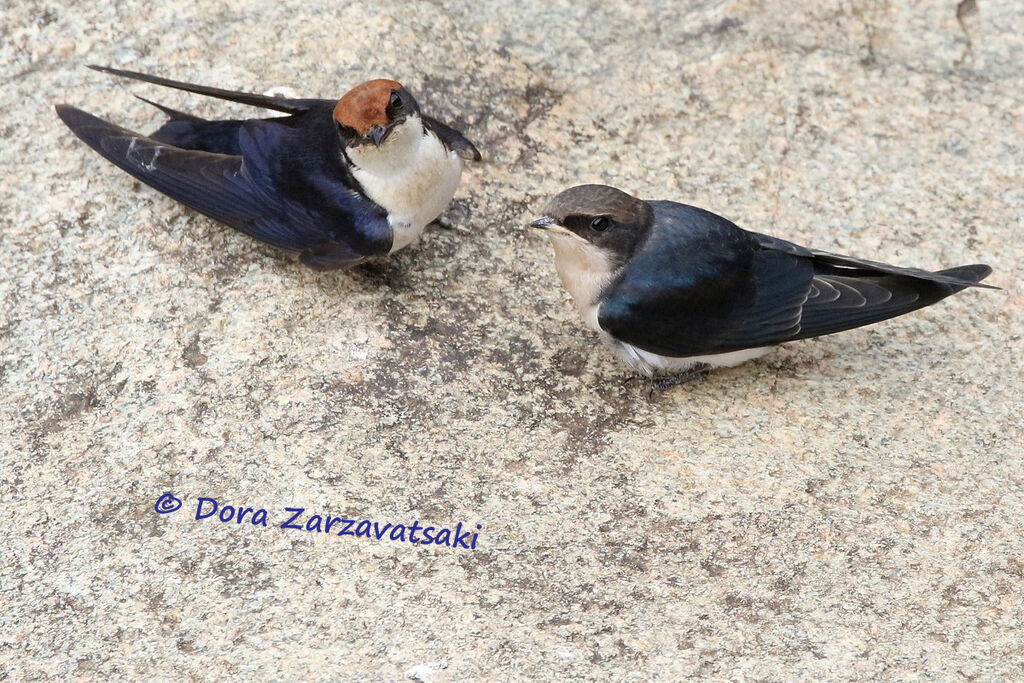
<point>600,224</point>
<point>396,101</point>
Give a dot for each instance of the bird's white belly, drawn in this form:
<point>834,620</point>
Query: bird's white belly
<point>413,177</point>
<point>650,364</point>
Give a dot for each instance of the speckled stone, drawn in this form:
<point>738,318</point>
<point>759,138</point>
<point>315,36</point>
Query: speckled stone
<point>846,507</point>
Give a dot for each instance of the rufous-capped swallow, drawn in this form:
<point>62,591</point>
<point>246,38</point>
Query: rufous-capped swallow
<point>674,288</point>
<point>339,182</point>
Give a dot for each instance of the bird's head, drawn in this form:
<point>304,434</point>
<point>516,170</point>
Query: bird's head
<point>368,113</point>
<point>598,219</point>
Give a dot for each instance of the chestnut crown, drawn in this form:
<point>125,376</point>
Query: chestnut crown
<point>374,105</point>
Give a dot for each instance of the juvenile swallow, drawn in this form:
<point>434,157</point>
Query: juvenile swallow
<point>339,181</point>
<point>674,288</point>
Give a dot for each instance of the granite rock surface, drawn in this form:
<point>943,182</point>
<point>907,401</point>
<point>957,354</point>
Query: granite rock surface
<point>845,507</point>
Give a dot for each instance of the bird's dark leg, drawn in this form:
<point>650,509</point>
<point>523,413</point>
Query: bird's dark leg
<point>451,227</point>
<point>669,381</point>
<point>443,224</point>
<point>636,377</point>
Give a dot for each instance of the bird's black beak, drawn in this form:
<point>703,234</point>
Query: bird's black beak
<point>543,223</point>
<point>377,135</point>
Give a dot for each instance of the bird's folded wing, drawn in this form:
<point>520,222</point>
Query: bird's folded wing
<point>453,139</point>
<point>839,301</point>
<point>225,188</point>
<point>723,301</point>
<point>730,301</point>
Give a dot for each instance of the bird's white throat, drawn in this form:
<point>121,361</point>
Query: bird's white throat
<point>584,270</point>
<point>412,176</point>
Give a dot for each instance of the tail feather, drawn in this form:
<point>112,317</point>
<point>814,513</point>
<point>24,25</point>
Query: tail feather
<point>174,114</point>
<point>287,105</point>
<point>970,275</point>
<point>219,137</point>
<point>191,132</point>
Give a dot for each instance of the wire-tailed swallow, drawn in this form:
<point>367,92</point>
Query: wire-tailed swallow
<point>338,181</point>
<point>671,287</point>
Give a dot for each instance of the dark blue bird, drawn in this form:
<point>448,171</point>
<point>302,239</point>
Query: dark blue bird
<point>339,181</point>
<point>671,287</point>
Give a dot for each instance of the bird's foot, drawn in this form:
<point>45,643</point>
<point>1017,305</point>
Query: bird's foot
<point>669,381</point>
<point>450,227</point>
<point>638,377</point>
